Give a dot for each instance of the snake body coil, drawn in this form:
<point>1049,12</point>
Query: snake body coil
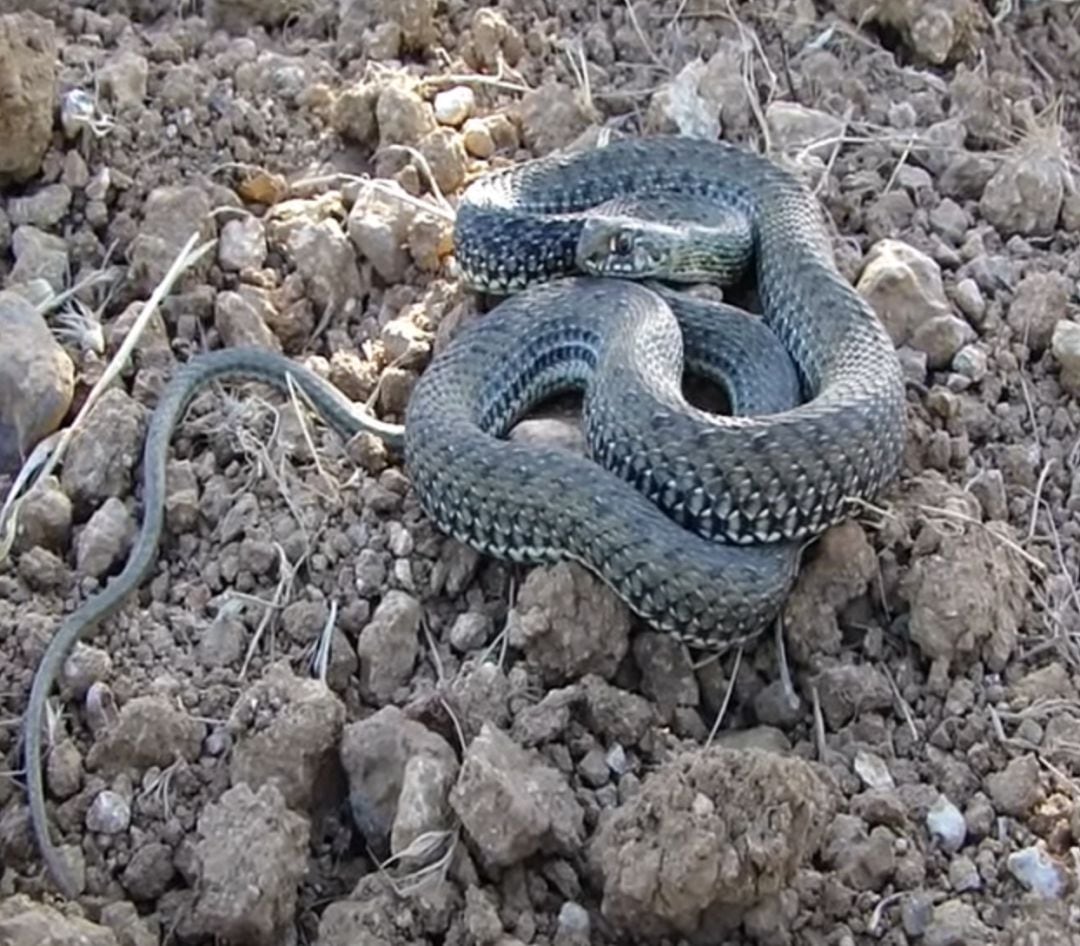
<point>698,521</point>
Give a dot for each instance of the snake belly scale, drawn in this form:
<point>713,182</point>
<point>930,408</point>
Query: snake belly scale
<point>698,521</point>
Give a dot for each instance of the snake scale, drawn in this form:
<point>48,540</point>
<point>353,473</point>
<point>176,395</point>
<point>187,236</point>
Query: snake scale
<point>698,520</point>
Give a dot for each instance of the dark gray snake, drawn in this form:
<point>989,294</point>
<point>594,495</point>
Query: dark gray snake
<point>698,521</point>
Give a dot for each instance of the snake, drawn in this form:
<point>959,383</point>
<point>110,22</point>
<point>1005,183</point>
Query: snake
<point>695,520</point>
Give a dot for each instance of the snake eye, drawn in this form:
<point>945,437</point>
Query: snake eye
<point>621,243</point>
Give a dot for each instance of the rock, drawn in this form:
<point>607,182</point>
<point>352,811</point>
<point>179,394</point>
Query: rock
<point>512,804</point>
<point>241,323</point>
<point>846,690</point>
<point>946,824</point>
<point>493,39</point>
<point>243,244</point>
<point>130,929</point>
<point>941,337</point>
<point>667,673</point>
<point>38,255</point>
<point>950,220</point>
<point>1048,682</point>
<point>149,731</point>
<point>1015,790</point>
<point>453,106</point>
<point>64,769</point>
<point>973,362</point>
<point>252,854</point>
<point>707,831</point>
<point>1037,306</point>
<point>37,383</point>
<point>28,89</point>
<point>378,226</point>
<point>955,923</point>
<point>569,623</point>
<point>44,208</point>
<point>966,599</point>
<point>149,872</point>
<point>904,286</point>
<point>105,539</point>
<point>85,666</point>
<point>353,114</point>
<point>680,107</point>
<point>476,139</point>
<point>26,923</point>
<point>862,860</point>
<point>104,451</point>
<point>470,631</point>
<point>795,128</point>
<point>553,116</point>
<point>1065,346</point>
<point>171,215</point>
<point>402,117</point>
<point>123,79</point>
<point>615,714</point>
<point>837,571</point>
<point>388,646</point>
<point>286,731</point>
<point>445,156</point>
<point>970,300</point>
<point>109,813</point>
<point>1039,872</point>
<point>1025,194</point>
<point>399,775</point>
<point>321,254</point>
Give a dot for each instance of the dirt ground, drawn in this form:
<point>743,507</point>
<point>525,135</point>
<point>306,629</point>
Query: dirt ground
<point>319,720</point>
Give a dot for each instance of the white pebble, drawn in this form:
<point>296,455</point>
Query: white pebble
<point>1038,871</point>
<point>109,813</point>
<point>454,105</point>
<point>946,824</point>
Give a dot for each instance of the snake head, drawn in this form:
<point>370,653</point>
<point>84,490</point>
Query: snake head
<point>612,247</point>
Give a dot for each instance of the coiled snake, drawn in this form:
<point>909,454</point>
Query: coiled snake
<point>699,520</point>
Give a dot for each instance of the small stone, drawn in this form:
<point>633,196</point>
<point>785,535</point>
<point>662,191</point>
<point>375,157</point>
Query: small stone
<point>388,646</point>
<point>123,79</point>
<point>378,226</point>
<point>574,925</point>
<point>453,106</point>
<point>149,872</point>
<point>955,923</point>
<point>423,806</point>
<point>323,257</point>
<point>1016,790</point>
<point>1036,308</point>
<point>149,731</point>
<point>129,928</point>
<point>1040,873</point>
<point>402,116</point>
<point>286,731</point>
<point>666,670</point>
<point>38,380</point>
<point>941,337</point>
<point>1065,346</point>
<point>1025,194</point>
<point>243,244</point>
<point>873,771</point>
<point>64,769</point>
<point>916,910</point>
<point>476,138</point>
<point>904,287</point>
<point>470,631</point>
<point>105,538</point>
<point>251,856</point>
<point>972,362</point>
<point>241,324</point>
<point>38,255</point>
<point>109,813</point>
<point>795,127</point>
<point>950,220</point>
<point>552,116</point>
<point>44,208</point>
<point>593,768</point>
<point>24,922</point>
<point>45,516</point>
<point>964,875</point>
<point>988,487</point>
<point>494,39</point>
<point>28,50</point>
<point>445,156</point>
<point>568,623</point>
<point>512,803</point>
<point>847,690</point>
<point>970,300</point>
